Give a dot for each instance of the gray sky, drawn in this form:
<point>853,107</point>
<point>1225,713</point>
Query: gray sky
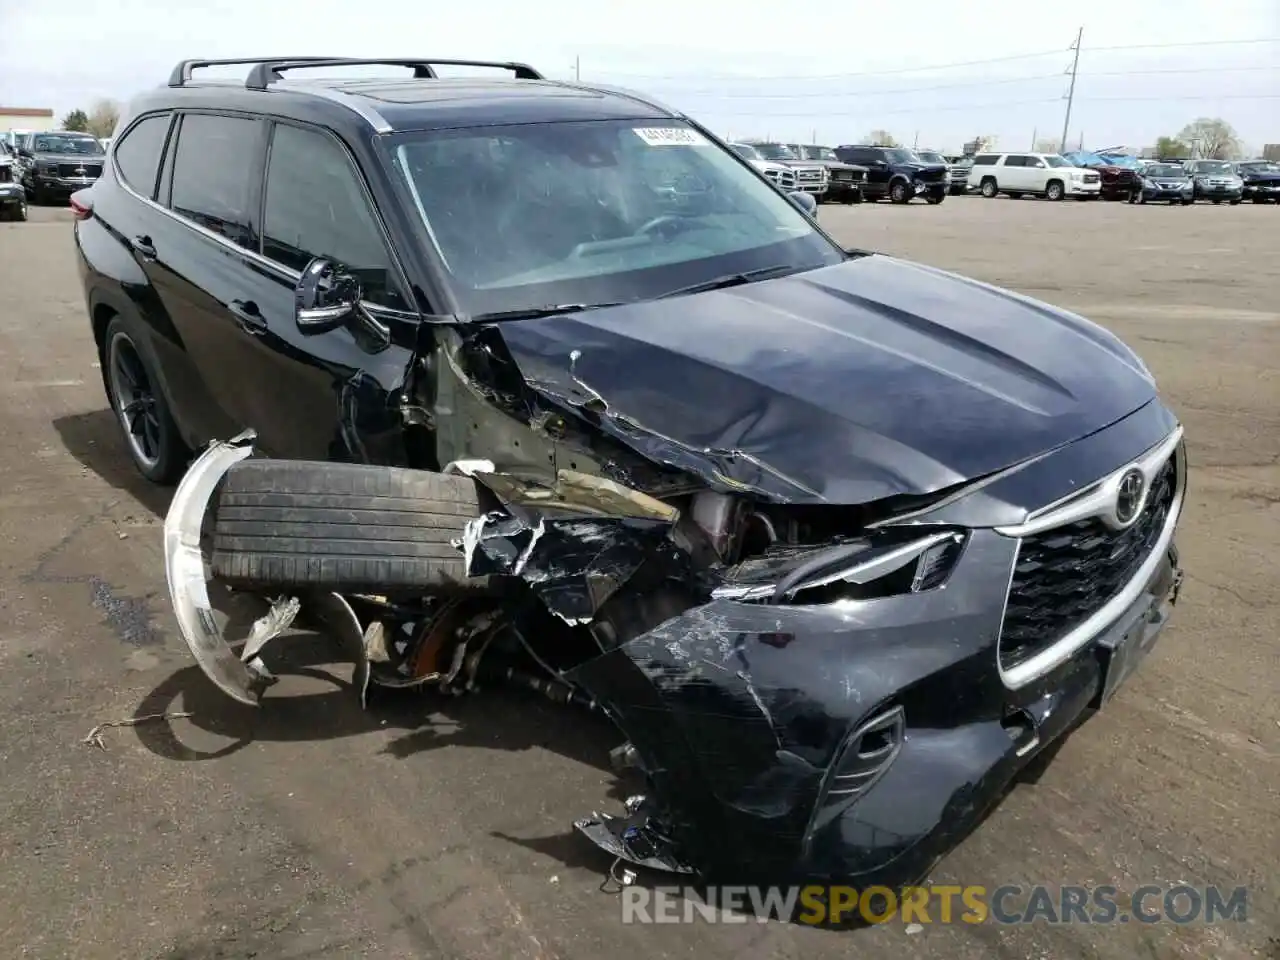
<point>737,66</point>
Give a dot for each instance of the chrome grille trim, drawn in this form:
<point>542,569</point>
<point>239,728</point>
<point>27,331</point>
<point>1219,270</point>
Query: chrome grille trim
<point>1093,502</point>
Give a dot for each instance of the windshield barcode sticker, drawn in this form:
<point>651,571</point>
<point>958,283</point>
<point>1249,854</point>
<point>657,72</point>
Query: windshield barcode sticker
<point>670,136</point>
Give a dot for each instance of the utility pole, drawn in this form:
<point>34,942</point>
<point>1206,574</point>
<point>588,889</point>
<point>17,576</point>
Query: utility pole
<point>577,69</point>
<point>915,144</point>
<point>1034,131</point>
<point>1071,91</point>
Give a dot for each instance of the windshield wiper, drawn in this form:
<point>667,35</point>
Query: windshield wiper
<point>733,280</point>
<point>533,313</point>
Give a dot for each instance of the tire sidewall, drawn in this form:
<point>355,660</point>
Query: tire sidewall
<point>172,457</point>
<point>988,189</point>
<point>1055,191</point>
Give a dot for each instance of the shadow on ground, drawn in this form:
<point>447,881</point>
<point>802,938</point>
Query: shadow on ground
<point>94,439</point>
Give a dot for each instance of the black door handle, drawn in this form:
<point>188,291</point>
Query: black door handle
<point>144,246</point>
<point>248,317</point>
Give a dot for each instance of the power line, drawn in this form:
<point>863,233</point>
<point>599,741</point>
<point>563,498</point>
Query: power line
<point>809,95</point>
<point>853,109</point>
<point>879,112</point>
<point>757,78</point>
<point>820,94</point>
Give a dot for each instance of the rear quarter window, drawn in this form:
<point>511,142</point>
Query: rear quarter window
<point>138,153</point>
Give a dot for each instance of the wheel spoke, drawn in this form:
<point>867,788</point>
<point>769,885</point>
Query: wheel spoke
<point>150,438</point>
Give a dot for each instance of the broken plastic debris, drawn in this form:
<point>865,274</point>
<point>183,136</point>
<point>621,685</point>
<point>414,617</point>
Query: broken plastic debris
<point>269,626</point>
<point>633,838</point>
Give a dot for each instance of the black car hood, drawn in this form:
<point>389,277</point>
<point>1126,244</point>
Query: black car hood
<point>1261,177</point>
<point>844,384</point>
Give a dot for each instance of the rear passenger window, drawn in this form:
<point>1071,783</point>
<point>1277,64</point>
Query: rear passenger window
<point>1015,161</point>
<point>214,173</point>
<point>316,207</point>
<point>988,161</point>
<point>138,154</point>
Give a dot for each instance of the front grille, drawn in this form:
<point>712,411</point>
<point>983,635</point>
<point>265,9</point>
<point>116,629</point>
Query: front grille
<point>930,176</point>
<point>79,169</point>
<point>1065,575</point>
<point>1091,178</point>
<point>810,175</point>
<point>783,178</point>
<point>845,175</point>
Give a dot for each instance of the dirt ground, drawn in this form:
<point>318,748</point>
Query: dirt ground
<point>423,828</point>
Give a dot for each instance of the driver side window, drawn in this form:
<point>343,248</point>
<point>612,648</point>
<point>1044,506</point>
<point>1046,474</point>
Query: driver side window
<point>315,206</point>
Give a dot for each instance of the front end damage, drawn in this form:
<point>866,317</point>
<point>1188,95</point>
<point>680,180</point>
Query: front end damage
<point>811,694</point>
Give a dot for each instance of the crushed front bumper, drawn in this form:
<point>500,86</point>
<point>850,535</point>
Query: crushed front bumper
<point>740,713</point>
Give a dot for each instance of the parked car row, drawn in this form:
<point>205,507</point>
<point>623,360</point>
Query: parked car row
<point>1082,175</point>
<point>852,173</point>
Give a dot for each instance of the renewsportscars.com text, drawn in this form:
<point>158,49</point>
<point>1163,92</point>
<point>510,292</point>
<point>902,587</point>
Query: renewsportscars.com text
<point>938,903</point>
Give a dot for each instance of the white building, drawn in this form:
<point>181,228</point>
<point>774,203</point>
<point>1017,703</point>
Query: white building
<point>26,118</point>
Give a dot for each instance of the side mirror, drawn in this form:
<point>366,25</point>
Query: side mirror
<point>805,202</point>
<point>325,298</point>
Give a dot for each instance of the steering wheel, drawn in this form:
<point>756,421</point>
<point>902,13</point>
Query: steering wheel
<point>665,225</point>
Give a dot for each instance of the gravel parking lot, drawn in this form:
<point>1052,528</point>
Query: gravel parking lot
<point>424,828</point>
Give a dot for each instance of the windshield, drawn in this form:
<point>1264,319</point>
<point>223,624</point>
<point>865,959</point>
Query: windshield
<point>65,143</point>
<point>746,151</point>
<point>1165,170</point>
<point>776,151</point>
<point>528,216</point>
<point>1119,160</point>
<point>821,153</point>
<point>928,156</point>
<point>1213,166</point>
<point>1054,160</point>
<point>899,155</point>
<point>1082,158</point>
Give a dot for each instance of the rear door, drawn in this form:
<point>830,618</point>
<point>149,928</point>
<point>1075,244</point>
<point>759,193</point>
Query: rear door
<point>334,395</point>
<point>1013,173</point>
<point>1037,174</point>
<point>201,257</point>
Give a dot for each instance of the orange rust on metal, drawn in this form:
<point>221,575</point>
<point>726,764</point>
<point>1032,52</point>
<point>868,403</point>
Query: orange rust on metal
<point>434,645</point>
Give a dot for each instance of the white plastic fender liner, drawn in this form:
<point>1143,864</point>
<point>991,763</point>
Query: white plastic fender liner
<point>185,570</point>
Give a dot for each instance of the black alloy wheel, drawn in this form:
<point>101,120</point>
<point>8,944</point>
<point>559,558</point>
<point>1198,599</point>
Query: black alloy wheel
<point>145,421</point>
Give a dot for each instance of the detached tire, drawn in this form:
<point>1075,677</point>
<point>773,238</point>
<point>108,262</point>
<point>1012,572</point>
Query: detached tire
<point>346,528</point>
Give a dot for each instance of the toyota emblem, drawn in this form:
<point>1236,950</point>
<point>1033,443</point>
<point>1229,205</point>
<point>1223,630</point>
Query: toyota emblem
<point>1129,496</point>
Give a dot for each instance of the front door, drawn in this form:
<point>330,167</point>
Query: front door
<point>334,395</point>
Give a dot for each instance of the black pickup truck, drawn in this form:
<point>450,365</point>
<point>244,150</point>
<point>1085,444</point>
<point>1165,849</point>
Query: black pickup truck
<point>896,173</point>
<point>59,163</point>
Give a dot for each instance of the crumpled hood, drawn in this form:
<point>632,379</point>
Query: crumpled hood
<point>844,384</point>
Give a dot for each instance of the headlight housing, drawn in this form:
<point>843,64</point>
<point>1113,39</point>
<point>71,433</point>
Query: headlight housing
<point>893,562</point>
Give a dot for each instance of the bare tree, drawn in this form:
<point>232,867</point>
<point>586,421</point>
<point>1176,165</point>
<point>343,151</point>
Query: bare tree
<point>103,118</point>
<point>1217,138</point>
<point>881,138</point>
<point>1048,145</point>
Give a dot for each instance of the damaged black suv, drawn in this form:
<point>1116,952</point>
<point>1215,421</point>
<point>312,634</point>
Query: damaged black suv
<point>512,380</point>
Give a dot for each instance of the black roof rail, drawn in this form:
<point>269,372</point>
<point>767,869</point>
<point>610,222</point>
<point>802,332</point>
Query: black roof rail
<point>181,74</point>
<point>267,72</point>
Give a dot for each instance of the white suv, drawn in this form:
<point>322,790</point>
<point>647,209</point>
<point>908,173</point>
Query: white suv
<point>1043,174</point>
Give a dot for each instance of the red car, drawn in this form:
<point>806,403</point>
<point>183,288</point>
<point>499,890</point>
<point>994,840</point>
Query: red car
<point>1119,182</point>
